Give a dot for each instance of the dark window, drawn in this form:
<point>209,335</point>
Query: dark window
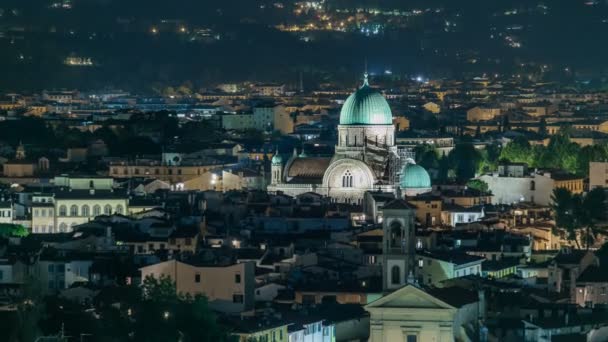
<point>395,276</point>
<point>237,298</point>
<point>308,299</point>
<point>412,338</point>
<point>151,246</point>
<point>197,278</point>
<point>396,238</point>
<point>188,241</point>
<point>237,278</point>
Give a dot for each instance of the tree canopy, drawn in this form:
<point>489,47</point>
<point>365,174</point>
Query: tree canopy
<point>574,212</point>
<point>13,230</point>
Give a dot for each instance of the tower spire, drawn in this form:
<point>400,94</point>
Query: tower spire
<point>365,74</point>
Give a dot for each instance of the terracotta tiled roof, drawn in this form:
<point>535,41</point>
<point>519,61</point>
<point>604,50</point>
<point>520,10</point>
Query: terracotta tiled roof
<point>308,167</point>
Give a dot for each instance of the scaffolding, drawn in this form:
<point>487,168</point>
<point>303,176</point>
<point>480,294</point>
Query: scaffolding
<point>397,162</point>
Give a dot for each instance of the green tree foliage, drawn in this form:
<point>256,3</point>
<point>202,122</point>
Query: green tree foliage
<point>575,211</point>
<point>561,153</point>
<point>593,210</point>
<point>518,151</point>
<point>427,156</point>
<point>591,153</point>
<point>542,127</point>
<point>13,230</point>
<point>443,169</point>
<point>565,206</point>
<point>464,160</point>
<point>164,315</point>
<point>478,184</point>
<point>30,310</point>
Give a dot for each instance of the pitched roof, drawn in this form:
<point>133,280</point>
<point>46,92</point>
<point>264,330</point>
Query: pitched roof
<point>308,167</point>
<point>593,274</point>
<point>397,204</point>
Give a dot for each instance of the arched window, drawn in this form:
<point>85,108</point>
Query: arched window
<point>74,210</point>
<point>96,210</point>
<point>63,210</point>
<point>119,209</point>
<point>396,236</point>
<point>85,211</point>
<point>107,209</point>
<point>63,228</point>
<point>395,276</point>
<point>347,179</point>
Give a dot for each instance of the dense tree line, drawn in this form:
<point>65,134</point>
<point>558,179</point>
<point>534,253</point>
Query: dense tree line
<point>578,213</point>
<point>152,312</point>
<point>465,160</point>
<point>560,153</point>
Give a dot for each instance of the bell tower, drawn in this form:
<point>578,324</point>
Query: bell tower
<point>20,153</point>
<point>398,245</point>
<point>276,168</point>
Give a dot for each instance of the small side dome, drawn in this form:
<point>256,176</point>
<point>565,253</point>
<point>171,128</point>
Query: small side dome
<point>414,176</point>
<point>277,159</point>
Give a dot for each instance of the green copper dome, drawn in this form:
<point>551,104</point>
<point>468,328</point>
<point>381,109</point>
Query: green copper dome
<point>414,177</point>
<point>277,159</point>
<point>366,106</point>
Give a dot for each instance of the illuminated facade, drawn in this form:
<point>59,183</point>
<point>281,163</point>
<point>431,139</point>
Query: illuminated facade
<point>365,158</point>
